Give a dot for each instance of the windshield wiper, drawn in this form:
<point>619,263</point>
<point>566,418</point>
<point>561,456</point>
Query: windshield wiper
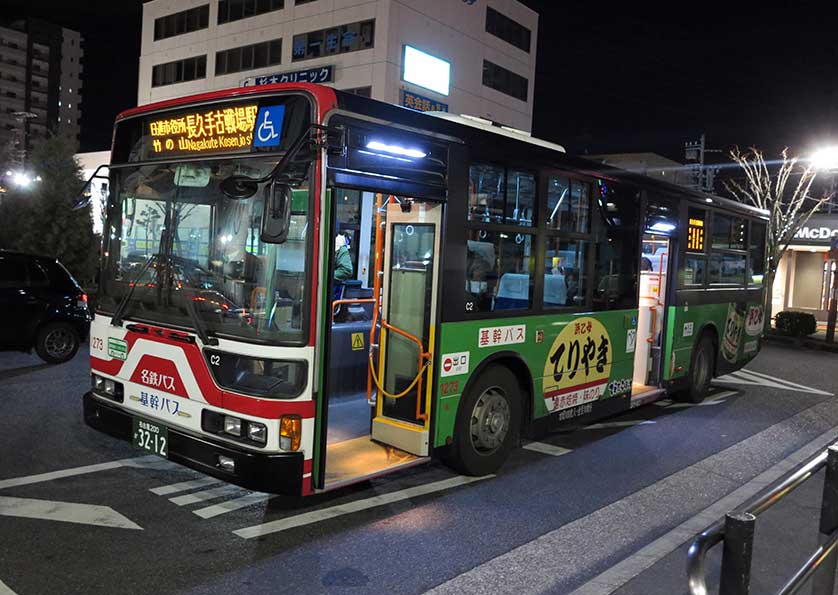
<point>116,319</point>
<point>200,325</point>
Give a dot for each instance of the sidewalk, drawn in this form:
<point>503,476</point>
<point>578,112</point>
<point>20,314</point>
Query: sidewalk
<point>816,341</point>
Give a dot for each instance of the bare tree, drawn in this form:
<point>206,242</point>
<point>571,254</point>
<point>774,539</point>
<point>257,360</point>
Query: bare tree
<point>789,206</point>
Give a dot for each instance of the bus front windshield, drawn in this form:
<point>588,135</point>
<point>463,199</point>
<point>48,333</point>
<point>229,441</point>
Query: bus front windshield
<point>178,251</point>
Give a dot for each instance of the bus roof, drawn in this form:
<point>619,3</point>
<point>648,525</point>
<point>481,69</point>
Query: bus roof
<point>458,126</point>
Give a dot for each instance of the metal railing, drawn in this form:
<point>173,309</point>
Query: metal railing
<point>736,531</point>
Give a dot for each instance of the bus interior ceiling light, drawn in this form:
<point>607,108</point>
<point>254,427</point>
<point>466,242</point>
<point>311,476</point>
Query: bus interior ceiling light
<point>662,226</point>
<point>396,149</point>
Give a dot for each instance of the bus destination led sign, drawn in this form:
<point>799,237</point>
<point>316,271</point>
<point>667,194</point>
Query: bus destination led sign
<point>695,235</point>
<point>214,130</point>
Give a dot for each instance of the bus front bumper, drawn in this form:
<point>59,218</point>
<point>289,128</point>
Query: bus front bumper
<point>262,472</point>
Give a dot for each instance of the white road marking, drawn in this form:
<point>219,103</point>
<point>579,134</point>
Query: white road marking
<point>218,492</point>
<point>749,377</point>
<point>787,382</point>
<point>323,514</point>
<point>30,479</point>
<point>183,486</point>
<point>716,399</point>
<point>4,590</point>
<point>618,424</point>
<point>546,449</point>
<point>68,512</point>
<point>231,505</point>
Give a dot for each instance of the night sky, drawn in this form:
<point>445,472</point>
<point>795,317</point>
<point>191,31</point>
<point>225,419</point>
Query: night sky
<point>608,80</point>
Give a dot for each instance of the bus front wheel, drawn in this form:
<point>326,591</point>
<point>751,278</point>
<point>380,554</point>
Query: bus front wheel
<point>488,420</point>
<point>701,371</point>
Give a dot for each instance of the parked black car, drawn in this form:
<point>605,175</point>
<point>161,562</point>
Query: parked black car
<point>41,306</point>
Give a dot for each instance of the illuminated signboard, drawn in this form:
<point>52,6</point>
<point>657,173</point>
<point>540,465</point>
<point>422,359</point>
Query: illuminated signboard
<point>209,130</point>
<point>695,235</point>
<point>425,70</point>
<point>421,103</point>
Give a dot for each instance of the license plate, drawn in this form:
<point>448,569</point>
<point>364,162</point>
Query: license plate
<point>151,437</point>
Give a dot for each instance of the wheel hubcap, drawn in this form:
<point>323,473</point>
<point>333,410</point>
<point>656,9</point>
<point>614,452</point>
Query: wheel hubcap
<point>700,368</point>
<point>58,343</point>
<point>490,421</point>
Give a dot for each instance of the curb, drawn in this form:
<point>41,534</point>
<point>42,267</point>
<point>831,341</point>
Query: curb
<point>801,342</point>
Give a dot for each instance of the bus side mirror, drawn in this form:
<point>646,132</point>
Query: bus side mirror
<point>85,194</point>
<point>276,214</point>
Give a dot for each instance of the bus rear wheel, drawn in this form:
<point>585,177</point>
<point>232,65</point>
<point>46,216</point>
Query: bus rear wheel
<point>488,420</point>
<point>701,371</point>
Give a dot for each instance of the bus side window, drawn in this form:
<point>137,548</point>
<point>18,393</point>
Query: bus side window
<point>617,247</point>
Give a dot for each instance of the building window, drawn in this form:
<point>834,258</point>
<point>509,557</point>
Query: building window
<point>334,40</point>
<point>508,30</point>
<point>182,22</point>
<point>362,91</point>
<point>298,2</point>
<point>505,81</point>
<point>235,10</point>
<point>258,55</point>
<point>179,71</point>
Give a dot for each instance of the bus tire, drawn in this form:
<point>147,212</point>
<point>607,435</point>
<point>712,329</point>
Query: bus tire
<point>488,422</point>
<point>701,371</point>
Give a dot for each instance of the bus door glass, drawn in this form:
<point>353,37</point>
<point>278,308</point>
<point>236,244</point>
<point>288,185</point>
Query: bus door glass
<point>408,307</point>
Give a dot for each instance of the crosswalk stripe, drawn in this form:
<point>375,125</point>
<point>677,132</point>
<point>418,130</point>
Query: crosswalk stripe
<point>205,495</point>
<point>183,486</point>
<point>231,505</point>
<point>547,449</point>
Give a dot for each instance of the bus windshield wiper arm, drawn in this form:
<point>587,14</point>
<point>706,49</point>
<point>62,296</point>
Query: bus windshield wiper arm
<point>116,319</point>
<point>198,322</point>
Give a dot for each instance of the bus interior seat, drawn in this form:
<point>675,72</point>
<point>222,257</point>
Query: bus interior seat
<point>513,292</point>
<point>555,290</point>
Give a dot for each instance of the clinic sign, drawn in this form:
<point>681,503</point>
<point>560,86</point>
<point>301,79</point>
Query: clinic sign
<point>818,231</point>
<point>320,74</point>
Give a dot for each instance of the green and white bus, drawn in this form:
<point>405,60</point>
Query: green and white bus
<point>499,288</point>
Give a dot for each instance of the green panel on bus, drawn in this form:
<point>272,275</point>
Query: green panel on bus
<point>574,360</point>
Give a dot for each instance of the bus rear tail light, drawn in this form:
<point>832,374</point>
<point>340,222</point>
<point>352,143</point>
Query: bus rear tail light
<point>290,432</point>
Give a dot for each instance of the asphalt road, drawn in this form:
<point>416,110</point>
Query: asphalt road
<point>597,510</point>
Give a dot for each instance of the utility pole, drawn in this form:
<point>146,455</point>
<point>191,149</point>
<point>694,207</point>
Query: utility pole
<point>704,176</point>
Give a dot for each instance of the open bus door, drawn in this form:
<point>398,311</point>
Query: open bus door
<point>653,296</point>
<point>385,424</point>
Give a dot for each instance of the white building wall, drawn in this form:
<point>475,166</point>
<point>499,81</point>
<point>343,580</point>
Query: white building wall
<point>451,30</point>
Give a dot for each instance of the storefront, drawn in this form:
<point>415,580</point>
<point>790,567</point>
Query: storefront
<point>803,277</point>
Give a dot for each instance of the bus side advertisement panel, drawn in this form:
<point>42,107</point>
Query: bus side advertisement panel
<point>739,329</point>
<point>573,360</point>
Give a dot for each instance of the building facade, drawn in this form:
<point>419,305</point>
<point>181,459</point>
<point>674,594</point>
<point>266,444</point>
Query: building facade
<point>804,274</point>
<point>474,57</point>
<point>40,85</point>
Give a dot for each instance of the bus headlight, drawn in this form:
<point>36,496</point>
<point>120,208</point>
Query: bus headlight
<point>232,425</point>
<point>105,387</point>
<point>257,432</point>
<point>290,432</point>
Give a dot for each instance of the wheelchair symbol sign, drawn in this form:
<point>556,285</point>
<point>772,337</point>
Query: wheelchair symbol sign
<point>269,126</point>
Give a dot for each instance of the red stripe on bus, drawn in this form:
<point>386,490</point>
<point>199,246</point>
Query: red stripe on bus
<point>307,466</point>
<point>554,393</point>
<point>111,367</point>
<point>267,408</point>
